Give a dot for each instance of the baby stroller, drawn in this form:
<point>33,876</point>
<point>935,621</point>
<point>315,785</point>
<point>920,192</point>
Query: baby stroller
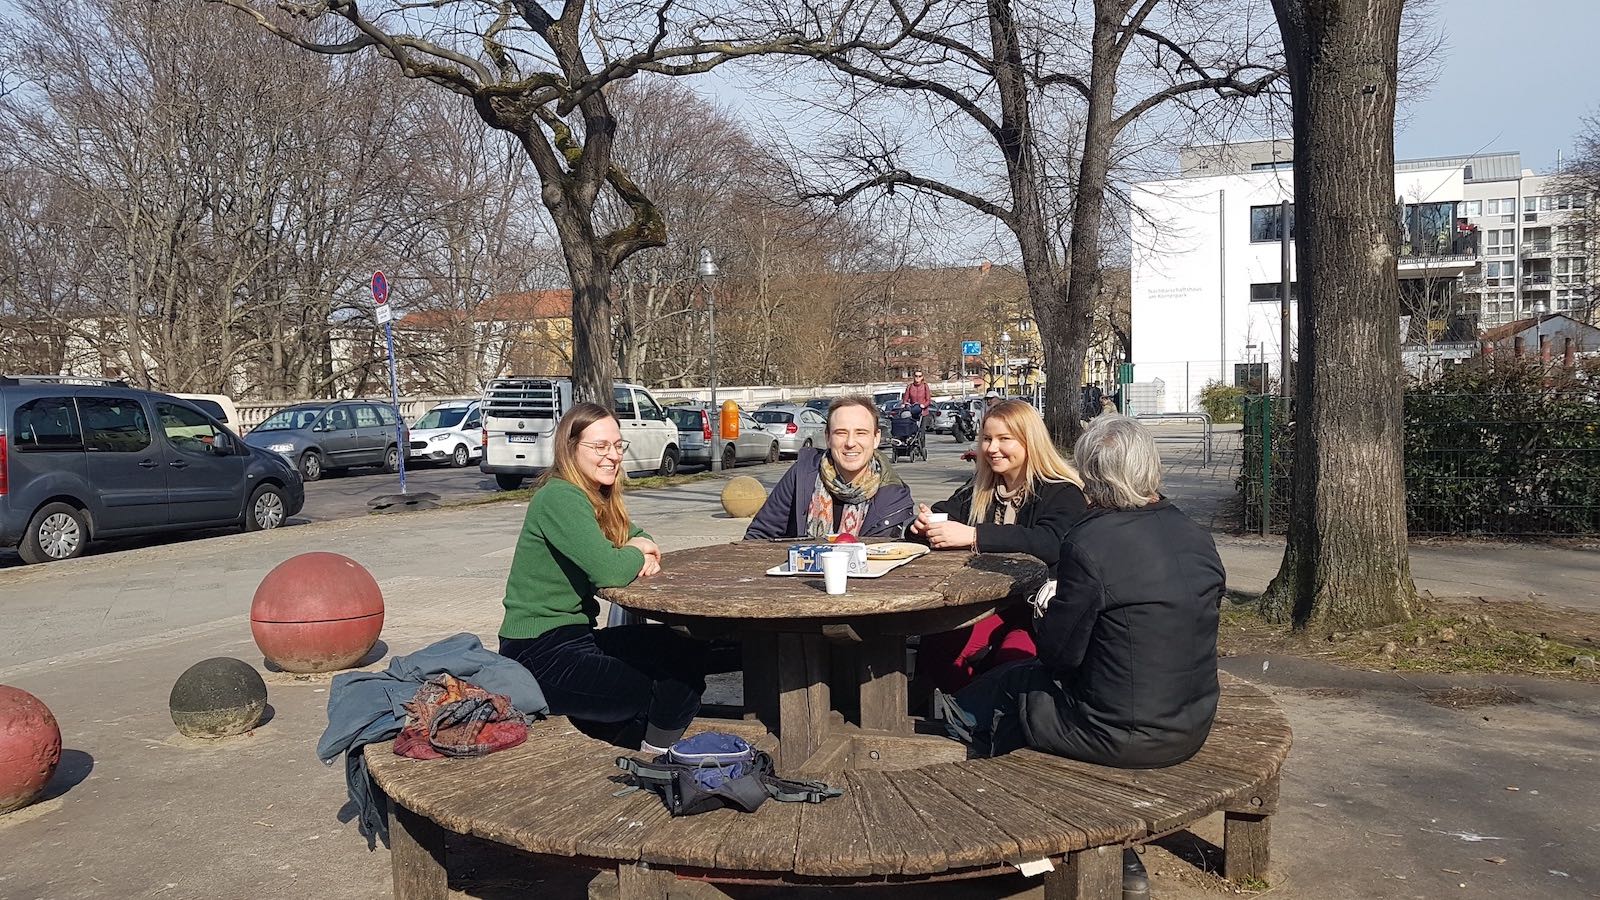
<point>906,433</point>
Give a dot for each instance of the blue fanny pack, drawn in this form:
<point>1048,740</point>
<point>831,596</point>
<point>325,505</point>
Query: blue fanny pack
<point>714,770</point>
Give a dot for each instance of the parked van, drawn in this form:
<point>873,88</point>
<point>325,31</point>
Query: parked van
<point>519,424</point>
<point>219,407</point>
<point>84,459</point>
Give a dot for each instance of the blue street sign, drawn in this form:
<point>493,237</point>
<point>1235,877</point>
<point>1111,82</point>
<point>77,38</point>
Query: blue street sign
<point>380,288</point>
<point>971,348</point>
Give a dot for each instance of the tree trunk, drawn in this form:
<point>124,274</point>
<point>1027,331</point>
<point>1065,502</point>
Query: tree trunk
<point>592,365</point>
<point>1346,562</point>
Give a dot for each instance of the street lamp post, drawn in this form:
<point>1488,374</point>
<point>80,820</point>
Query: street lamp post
<point>1005,362</point>
<point>707,270</point>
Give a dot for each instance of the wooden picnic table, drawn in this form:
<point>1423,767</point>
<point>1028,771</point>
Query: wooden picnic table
<point>796,636</point>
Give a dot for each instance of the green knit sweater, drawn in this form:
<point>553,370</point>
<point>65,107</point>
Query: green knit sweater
<point>561,558</point>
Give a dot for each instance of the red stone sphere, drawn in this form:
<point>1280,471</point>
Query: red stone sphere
<point>316,612</point>
<point>30,747</point>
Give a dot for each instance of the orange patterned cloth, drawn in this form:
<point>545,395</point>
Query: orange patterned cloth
<point>451,717</point>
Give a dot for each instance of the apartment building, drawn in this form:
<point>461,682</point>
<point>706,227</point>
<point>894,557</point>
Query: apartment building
<point>1484,242</point>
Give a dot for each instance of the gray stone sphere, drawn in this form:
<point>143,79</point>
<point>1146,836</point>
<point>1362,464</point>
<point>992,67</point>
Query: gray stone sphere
<point>218,697</point>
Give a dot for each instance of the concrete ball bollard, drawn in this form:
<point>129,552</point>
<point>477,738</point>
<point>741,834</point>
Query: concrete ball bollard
<point>30,747</point>
<point>217,698</point>
<point>742,497</point>
<point>316,612</point>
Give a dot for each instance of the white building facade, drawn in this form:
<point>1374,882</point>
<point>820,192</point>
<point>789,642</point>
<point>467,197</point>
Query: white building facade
<point>1485,242</point>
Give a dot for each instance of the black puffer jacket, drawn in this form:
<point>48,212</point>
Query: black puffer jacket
<point>1131,640</point>
<point>1054,507</point>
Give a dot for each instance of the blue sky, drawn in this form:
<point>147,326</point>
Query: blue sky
<point>1516,76</point>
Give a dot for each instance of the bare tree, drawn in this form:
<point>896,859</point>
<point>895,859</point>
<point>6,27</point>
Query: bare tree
<point>995,81</point>
<point>1580,177</point>
<point>1346,563</point>
<point>543,77</point>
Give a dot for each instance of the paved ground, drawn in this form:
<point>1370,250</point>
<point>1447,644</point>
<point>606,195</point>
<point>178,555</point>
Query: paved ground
<point>1386,795</point>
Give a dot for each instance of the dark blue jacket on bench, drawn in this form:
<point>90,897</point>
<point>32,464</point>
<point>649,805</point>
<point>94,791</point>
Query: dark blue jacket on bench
<point>784,513</point>
<point>1129,643</point>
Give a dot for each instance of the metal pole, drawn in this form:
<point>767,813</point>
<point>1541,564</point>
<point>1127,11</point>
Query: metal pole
<point>716,450</point>
<point>1284,212</point>
<point>1222,287</point>
<point>1266,464</point>
<point>394,394</point>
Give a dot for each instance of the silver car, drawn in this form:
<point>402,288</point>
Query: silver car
<point>794,427</point>
<point>696,425</point>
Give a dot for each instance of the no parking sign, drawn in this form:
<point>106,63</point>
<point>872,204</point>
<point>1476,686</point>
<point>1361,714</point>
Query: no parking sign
<point>380,298</point>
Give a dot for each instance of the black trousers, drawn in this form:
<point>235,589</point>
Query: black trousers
<point>623,684</point>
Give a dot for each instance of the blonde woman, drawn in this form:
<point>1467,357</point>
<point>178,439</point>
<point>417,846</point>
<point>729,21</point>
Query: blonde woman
<point>1023,499</point>
<point>636,685</point>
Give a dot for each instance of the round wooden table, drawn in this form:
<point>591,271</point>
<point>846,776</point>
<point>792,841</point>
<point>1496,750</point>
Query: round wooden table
<point>795,635</point>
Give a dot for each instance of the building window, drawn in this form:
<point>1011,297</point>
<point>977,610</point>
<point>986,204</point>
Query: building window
<point>1498,309</point>
<point>1500,273</point>
<point>1272,291</point>
<point>1266,223</point>
<point>1569,270</point>
<point>1271,166</point>
<point>1499,241</point>
<point>1569,237</point>
<point>1430,229</point>
<point>1471,209</point>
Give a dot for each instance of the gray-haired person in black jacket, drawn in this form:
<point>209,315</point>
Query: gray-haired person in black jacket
<point>1127,667</point>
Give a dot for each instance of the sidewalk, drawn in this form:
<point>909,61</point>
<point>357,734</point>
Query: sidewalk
<point>1385,795</point>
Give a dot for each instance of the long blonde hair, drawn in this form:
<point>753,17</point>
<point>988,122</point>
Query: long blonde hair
<point>1043,463</point>
<point>609,510</point>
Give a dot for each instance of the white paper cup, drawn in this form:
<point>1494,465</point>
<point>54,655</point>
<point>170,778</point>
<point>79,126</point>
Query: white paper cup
<point>835,571</point>
<point>935,518</point>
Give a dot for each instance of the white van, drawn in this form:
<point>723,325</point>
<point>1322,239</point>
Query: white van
<point>218,407</point>
<point>519,424</point>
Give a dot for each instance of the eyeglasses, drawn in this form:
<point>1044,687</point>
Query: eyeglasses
<point>602,447</point>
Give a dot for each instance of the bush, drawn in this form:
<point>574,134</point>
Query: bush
<point>1222,402</point>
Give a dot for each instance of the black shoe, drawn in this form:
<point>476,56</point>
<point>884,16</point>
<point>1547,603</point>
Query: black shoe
<point>1135,883</point>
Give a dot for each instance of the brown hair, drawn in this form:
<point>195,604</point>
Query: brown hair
<point>854,400</point>
<point>609,511</point>
<point>1044,463</point>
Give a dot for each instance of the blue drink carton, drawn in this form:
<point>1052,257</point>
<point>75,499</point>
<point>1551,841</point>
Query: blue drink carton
<point>807,558</point>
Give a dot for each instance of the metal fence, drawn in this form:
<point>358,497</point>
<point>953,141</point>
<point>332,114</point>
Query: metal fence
<point>1524,464</point>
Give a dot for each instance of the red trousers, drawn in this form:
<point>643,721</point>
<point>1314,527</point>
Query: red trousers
<point>953,658</point>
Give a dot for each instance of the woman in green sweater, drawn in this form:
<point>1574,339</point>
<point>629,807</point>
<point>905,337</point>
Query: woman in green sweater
<point>636,685</point>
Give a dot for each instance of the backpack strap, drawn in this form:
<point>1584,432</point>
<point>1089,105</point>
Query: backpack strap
<point>787,790</point>
<point>661,779</point>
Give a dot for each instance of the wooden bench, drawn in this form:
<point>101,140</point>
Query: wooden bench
<point>556,796</point>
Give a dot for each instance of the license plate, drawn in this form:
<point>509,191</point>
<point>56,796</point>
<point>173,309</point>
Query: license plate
<point>522,438</point>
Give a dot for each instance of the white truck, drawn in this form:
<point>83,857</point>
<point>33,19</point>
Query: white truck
<point>519,425</point>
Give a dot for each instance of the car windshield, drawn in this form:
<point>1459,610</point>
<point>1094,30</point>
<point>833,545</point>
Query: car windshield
<point>290,419</point>
<point>686,418</point>
<point>442,417</point>
<point>772,417</point>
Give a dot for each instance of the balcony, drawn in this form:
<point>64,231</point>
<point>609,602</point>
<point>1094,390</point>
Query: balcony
<point>1537,249</point>
<point>1539,281</point>
<point>1434,256</point>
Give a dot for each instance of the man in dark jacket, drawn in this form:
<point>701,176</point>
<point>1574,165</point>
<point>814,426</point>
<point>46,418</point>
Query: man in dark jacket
<point>850,488</point>
<point>1127,668</point>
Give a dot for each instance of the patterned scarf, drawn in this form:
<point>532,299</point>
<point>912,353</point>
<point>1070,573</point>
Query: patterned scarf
<point>1005,506</point>
<point>855,495</point>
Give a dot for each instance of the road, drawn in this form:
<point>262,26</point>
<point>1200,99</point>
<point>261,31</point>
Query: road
<point>345,495</point>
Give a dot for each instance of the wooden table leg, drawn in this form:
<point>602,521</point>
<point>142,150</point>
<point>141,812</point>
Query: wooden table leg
<point>881,672</point>
<point>640,882</point>
<point>1245,841</point>
<point>1092,874</point>
<point>416,855</point>
<point>802,698</point>
<point>761,677</point>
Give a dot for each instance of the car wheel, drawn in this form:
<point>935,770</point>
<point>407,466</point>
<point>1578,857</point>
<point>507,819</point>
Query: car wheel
<point>266,509</point>
<point>730,457</point>
<point>772,453</point>
<point>391,460</point>
<point>669,463</point>
<point>56,532</point>
<point>461,457</point>
<point>508,482</point>
<point>311,466</point>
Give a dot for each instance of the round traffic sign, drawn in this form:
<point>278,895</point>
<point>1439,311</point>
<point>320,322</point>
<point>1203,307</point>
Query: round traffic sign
<point>380,288</point>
